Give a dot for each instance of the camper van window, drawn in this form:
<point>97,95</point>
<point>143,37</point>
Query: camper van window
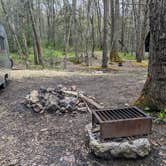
<point>2,44</point>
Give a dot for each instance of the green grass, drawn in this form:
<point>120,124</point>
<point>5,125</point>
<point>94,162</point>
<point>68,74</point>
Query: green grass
<point>16,58</point>
<point>47,54</point>
<point>126,56</point>
<point>123,56</point>
<point>162,115</point>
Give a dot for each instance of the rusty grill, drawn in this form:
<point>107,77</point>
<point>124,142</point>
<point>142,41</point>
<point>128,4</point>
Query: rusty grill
<point>125,122</point>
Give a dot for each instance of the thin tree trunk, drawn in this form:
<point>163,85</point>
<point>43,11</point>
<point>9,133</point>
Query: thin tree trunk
<point>105,35</point>
<point>112,14</point>
<point>38,45</point>
<point>144,31</point>
<point>25,45</point>
<point>36,62</point>
<point>74,29</point>
<point>123,26</point>
<point>67,24</point>
<point>93,36</point>
<point>115,34</point>
<point>97,3</point>
<point>137,20</point>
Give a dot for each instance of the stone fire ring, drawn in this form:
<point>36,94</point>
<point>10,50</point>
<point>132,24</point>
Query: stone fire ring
<point>126,149</point>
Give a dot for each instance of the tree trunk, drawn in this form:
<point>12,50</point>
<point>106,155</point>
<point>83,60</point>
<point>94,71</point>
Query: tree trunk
<point>105,35</point>
<point>140,27</point>
<point>154,91</point>
<point>144,31</point>
<point>123,27</point>
<point>93,37</point>
<point>115,34</point>
<point>67,25</point>
<point>38,45</point>
<point>99,16</point>
<point>35,57</point>
<point>74,29</point>
<point>112,14</point>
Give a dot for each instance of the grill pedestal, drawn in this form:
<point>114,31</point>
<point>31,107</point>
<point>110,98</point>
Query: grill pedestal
<point>125,122</point>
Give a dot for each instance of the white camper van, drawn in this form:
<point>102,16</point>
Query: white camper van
<point>5,62</point>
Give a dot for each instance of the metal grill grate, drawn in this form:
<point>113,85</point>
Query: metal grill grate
<point>129,121</point>
<point>118,114</point>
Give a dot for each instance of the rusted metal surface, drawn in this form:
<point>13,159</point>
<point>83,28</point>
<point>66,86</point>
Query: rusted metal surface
<point>125,122</point>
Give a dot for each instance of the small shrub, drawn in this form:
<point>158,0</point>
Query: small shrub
<point>126,56</point>
<point>162,115</point>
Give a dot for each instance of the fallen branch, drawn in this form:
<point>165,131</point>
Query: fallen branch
<point>85,98</point>
<point>89,110</point>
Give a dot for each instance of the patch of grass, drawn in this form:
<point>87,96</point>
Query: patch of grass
<point>74,60</point>
<point>144,64</point>
<point>16,58</point>
<point>162,115</point>
<point>126,56</point>
<point>48,53</point>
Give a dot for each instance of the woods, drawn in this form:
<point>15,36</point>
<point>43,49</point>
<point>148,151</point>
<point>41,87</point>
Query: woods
<point>82,82</point>
<point>77,27</point>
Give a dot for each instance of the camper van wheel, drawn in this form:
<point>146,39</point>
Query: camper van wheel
<point>11,63</point>
<point>5,81</point>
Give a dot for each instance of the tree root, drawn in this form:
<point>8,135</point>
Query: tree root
<point>144,102</point>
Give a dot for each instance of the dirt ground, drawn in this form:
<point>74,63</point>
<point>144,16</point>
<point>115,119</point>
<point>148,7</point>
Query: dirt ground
<point>33,139</point>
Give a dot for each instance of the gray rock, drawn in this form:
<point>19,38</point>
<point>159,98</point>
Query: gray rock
<point>59,87</point>
<point>38,108</point>
<point>50,89</point>
<point>13,162</point>
<point>43,89</point>
<point>68,103</point>
<point>128,149</point>
<point>52,103</point>
<point>34,96</point>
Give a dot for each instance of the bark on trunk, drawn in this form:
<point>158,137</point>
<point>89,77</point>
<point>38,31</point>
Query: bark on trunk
<point>38,46</point>
<point>123,27</point>
<point>154,92</point>
<point>114,57</point>
<point>98,10</point>
<point>93,36</point>
<point>35,51</point>
<point>105,35</point>
<point>74,29</point>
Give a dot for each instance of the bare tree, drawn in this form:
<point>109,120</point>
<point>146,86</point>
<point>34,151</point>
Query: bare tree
<point>105,35</point>
<point>115,15</point>
<point>140,20</point>
<point>74,28</point>
<point>36,37</point>
<point>99,21</point>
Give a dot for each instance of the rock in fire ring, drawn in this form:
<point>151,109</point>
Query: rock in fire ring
<point>136,148</point>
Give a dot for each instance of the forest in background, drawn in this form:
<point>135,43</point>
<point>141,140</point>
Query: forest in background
<point>42,30</point>
<point>74,59</point>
